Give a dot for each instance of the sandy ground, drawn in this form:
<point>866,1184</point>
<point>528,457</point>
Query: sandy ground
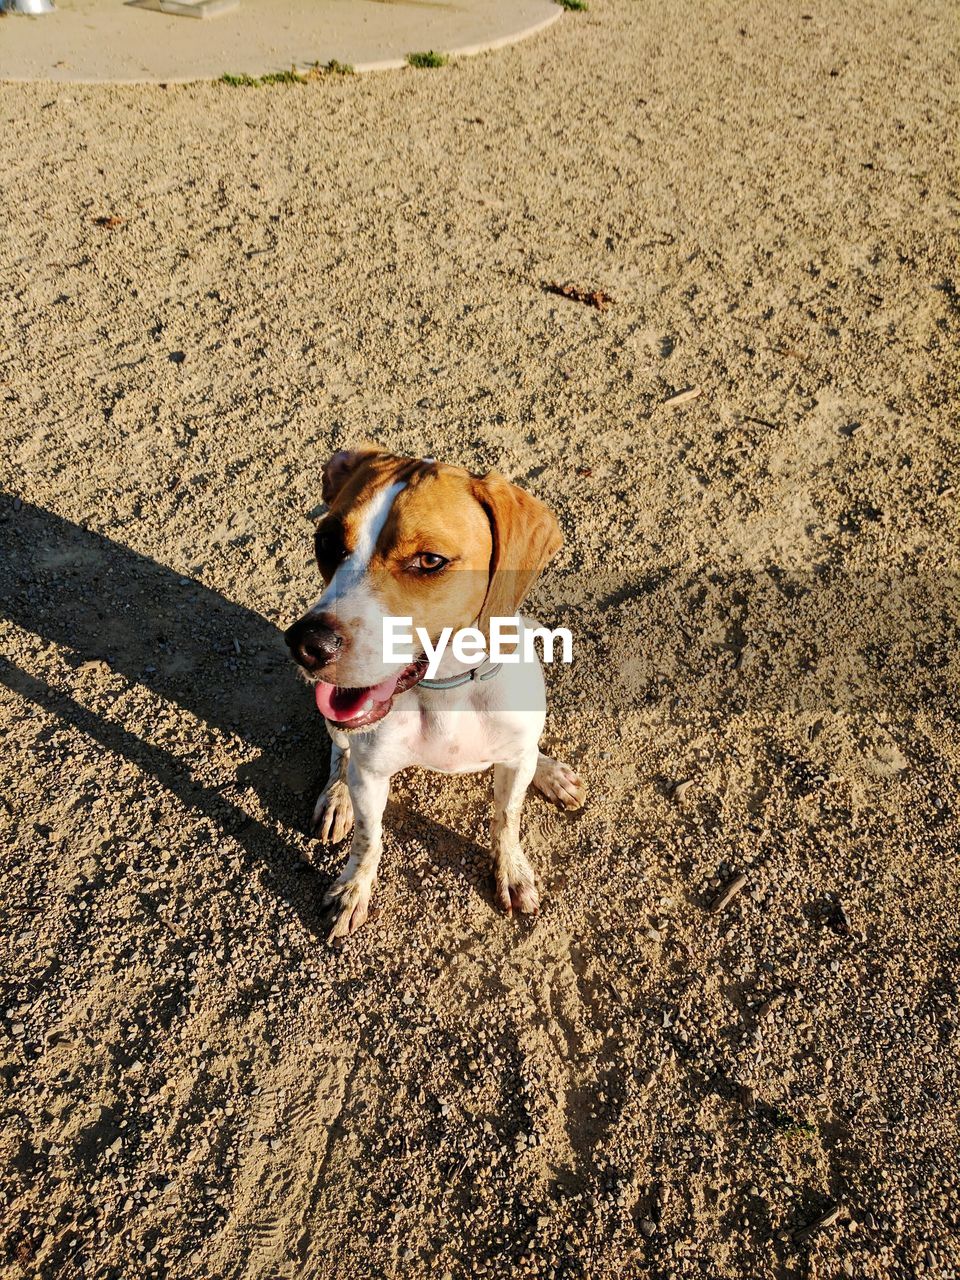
<point>206,290</point>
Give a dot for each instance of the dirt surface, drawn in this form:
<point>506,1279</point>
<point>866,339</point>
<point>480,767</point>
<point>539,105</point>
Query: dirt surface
<point>206,290</point>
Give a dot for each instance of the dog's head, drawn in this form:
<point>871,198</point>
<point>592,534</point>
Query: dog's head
<point>406,537</point>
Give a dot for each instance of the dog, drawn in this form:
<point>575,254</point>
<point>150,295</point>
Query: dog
<point>417,539</point>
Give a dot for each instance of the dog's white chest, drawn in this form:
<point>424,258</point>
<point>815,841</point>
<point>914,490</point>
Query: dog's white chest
<point>459,735</point>
<point>460,742</point>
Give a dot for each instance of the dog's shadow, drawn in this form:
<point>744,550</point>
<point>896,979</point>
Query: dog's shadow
<point>111,609</point>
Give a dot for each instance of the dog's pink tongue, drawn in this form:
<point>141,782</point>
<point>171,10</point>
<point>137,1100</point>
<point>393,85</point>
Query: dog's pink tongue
<point>343,705</point>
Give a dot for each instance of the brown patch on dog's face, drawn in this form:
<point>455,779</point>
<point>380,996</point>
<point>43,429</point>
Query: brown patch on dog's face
<point>436,514</point>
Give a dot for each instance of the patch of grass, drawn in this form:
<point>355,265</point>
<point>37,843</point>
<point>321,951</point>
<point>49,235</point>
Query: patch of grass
<point>428,59</point>
<point>575,6</point>
<point>283,77</point>
<point>790,1127</point>
<point>335,68</point>
<point>293,76</point>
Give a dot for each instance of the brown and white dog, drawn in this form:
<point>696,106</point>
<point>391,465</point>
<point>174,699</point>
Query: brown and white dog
<point>406,537</point>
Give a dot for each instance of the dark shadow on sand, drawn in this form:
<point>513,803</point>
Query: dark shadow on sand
<point>224,664</point>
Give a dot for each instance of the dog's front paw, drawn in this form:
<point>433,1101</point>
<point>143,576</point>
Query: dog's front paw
<point>559,784</point>
<point>333,814</point>
<point>515,887</point>
<point>346,906</point>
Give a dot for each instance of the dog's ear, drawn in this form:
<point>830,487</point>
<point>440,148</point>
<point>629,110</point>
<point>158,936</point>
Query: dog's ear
<point>341,467</point>
<point>526,537</point>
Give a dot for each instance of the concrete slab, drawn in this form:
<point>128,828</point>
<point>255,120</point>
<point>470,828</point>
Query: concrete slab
<point>108,40</point>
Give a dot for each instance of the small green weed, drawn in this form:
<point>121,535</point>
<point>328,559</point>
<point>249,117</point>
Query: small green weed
<point>576,6</point>
<point>428,59</point>
<point>293,76</point>
<point>790,1127</point>
<point>335,68</point>
<point>283,77</point>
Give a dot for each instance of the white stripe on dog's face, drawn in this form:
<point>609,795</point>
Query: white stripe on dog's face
<point>350,598</point>
<point>371,527</point>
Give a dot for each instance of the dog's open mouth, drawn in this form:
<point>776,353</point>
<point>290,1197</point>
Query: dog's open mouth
<point>359,708</point>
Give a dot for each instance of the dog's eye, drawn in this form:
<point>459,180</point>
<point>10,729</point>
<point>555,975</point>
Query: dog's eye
<point>429,562</point>
<point>328,545</point>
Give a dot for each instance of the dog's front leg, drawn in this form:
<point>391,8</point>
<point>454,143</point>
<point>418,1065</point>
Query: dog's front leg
<point>333,813</point>
<point>348,899</point>
<point>515,886</point>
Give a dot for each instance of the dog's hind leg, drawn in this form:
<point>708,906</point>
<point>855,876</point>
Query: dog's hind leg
<point>558,783</point>
<point>333,813</point>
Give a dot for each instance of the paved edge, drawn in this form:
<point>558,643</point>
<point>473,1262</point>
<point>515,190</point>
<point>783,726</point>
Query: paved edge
<point>360,68</point>
<point>469,50</point>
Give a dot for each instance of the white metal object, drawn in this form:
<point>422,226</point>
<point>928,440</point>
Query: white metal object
<point>32,7</point>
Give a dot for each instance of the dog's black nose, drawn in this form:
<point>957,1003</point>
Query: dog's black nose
<point>313,642</point>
